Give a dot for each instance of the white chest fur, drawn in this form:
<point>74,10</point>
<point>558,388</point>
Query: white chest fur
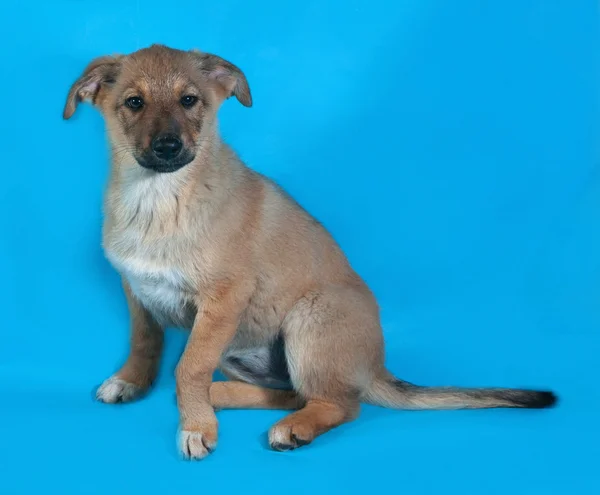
<point>138,246</point>
<point>161,290</point>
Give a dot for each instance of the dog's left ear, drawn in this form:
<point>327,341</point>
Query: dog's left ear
<point>99,74</point>
<point>230,80</point>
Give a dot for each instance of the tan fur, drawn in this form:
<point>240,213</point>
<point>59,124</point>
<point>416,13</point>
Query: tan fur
<point>218,249</point>
<point>237,395</point>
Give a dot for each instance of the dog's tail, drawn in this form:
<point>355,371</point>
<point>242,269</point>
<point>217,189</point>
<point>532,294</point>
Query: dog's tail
<point>390,392</point>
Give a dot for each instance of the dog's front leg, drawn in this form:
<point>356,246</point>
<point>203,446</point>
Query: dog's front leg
<point>140,370</point>
<point>214,328</point>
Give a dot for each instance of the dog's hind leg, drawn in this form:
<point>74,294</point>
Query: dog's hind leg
<point>332,348</point>
<point>240,395</point>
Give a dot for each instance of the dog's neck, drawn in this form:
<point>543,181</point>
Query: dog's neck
<point>137,194</point>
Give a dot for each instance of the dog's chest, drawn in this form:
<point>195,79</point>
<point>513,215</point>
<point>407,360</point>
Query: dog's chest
<point>161,289</point>
<point>148,261</point>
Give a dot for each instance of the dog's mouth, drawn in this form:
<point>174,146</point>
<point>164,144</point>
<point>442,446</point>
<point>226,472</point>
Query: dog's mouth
<point>150,162</point>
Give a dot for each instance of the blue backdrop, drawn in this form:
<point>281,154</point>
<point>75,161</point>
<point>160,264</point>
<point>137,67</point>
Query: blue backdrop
<point>451,147</point>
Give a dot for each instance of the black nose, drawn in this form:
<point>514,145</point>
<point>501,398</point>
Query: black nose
<point>166,147</point>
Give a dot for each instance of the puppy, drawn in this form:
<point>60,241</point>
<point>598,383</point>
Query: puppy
<point>206,244</point>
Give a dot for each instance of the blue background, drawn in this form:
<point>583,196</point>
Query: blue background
<point>451,147</point>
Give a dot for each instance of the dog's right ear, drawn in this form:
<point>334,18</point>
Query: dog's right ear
<point>97,76</point>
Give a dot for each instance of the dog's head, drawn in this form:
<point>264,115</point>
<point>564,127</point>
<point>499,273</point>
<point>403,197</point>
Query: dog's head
<point>158,101</point>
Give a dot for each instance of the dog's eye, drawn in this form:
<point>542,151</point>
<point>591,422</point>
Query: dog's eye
<point>189,101</point>
<point>135,102</point>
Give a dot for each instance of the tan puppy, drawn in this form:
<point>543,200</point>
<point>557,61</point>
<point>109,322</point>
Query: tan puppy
<point>204,243</point>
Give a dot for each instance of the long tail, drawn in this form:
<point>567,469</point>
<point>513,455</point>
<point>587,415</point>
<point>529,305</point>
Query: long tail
<point>397,394</point>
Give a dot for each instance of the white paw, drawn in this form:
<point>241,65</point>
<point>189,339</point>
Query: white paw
<point>194,445</point>
<point>116,390</point>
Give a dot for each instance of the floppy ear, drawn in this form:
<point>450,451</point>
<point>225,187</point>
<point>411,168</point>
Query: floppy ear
<point>99,74</point>
<point>229,78</point>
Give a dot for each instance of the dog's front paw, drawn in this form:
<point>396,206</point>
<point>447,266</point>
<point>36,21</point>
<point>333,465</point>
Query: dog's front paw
<point>198,443</point>
<point>116,390</point>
